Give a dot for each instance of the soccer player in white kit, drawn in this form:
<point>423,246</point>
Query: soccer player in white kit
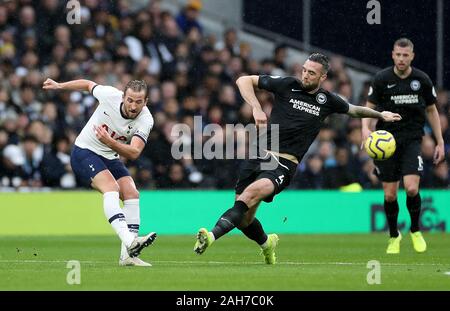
<point>118,127</point>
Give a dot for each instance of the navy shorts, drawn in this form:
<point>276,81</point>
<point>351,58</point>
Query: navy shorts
<point>86,164</point>
<point>280,176</point>
<point>405,161</point>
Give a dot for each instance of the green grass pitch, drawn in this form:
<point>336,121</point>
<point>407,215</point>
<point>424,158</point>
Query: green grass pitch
<point>306,262</point>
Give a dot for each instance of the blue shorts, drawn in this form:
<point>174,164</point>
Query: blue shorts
<point>86,164</point>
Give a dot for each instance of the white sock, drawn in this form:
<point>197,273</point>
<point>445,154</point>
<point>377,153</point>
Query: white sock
<point>211,235</point>
<point>133,219</point>
<point>265,244</point>
<point>113,212</point>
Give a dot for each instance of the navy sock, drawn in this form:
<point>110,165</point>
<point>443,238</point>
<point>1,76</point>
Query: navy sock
<point>230,219</point>
<point>391,209</point>
<point>414,206</point>
<point>255,232</point>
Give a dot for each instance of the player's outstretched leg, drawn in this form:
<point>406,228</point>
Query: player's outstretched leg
<point>414,206</point>
<point>225,224</point>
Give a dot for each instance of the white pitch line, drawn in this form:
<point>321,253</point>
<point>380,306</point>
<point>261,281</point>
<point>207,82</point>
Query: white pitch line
<point>50,261</point>
<point>287,263</point>
<point>297,263</point>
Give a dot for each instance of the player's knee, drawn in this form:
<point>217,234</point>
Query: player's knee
<point>260,192</point>
<point>412,190</point>
<point>247,196</point>
<point>390,196</point>
<point>266,188</point>
<point>110,188</point>
<point>132,194</point>
<point>115,187</point>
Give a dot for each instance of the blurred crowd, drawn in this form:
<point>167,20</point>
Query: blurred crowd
<point>189,72</point>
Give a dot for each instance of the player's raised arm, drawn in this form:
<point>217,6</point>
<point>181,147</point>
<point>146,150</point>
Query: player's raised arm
<point>365,112</point>
<point>246,86</point>
<point>75,85</point>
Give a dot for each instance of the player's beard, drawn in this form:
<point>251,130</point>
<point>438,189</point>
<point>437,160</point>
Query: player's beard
<point>309,87</point>
<point>129,113</point>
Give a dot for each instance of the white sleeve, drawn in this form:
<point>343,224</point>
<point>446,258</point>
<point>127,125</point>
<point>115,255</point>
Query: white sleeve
<point>107,94</point>
<point>144,128</point>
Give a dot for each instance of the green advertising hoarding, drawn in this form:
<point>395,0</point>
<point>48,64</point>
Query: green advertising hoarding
<point>291,211</point>
<point>184,212</point>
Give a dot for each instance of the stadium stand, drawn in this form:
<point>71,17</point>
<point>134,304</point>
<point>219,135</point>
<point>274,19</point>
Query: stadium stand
<point>190,73</point>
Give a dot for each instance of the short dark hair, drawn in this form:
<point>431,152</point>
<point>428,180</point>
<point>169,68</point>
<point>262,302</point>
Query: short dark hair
<point>321,59</point>
<point>137,86</point>
<point>403,43</point>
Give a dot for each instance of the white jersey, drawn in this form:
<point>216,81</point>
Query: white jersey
<point>108,115</point>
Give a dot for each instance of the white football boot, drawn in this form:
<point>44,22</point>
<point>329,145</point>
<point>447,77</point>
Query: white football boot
<point>133,261</point>
<point>139,243</point>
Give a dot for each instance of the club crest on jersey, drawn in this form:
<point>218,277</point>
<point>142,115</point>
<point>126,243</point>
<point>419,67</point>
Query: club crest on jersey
<point>321,98</point>
<point>415,85</point>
